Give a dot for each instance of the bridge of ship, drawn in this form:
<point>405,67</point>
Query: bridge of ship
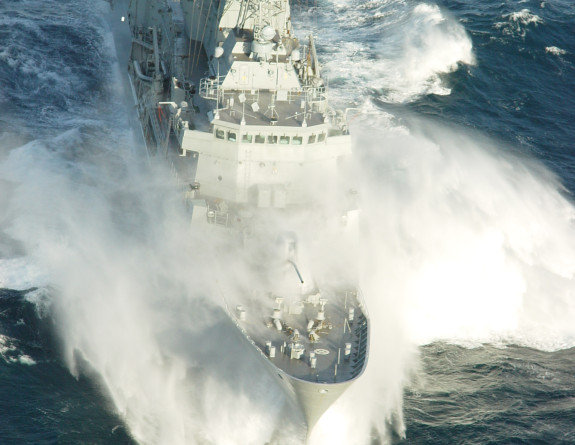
<point>263,107</point>
<point>256,92</point>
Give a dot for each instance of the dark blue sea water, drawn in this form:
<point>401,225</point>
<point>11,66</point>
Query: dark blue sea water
<point>465,120</point>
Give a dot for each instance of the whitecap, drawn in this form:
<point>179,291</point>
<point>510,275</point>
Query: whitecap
<point>10,353</point>
<point>525,17</point>
<point>518,22</point>
<point>555,50</point>
<point>26,360</point>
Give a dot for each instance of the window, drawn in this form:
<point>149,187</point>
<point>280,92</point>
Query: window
<point>284,140</point>
<point>272,139</point>
<point>321,137</point>
<point>297,140</point>
<point>232,136</point>
<point>260,139</point>
<point>247,138</point>
<point>311,139</point>
<point>220,134</point>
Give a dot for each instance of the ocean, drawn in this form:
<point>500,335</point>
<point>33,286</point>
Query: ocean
<point>463,122</point>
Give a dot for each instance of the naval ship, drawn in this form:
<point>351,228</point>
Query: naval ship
<point>236,104</point>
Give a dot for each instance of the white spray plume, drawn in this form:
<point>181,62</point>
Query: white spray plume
<point>485,239</point>
<point>462,242</point>
<point>136,298</point>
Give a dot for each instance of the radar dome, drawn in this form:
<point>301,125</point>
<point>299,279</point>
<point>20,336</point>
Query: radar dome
<point>218,52</point>
<point>268,33</point>
<point>296,55</point>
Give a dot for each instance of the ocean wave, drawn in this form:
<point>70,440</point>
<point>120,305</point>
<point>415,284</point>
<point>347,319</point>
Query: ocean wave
<point>59,77</point>
<point>399,50</point>
<point>434,45</point>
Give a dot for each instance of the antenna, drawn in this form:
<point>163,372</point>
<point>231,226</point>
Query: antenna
<point>304,114</point>
<point>242,98</point>
<point>260,18</point>
<point>218,52</point>
<point>298,273</point>
<point>274,116</point>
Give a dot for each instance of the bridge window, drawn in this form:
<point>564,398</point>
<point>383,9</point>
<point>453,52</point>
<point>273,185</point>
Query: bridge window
<point>272,139</point>
<point>260,139</point>
<point>311,139</point>
<point>232,135</point>
<point>321,137</point>
<point>297,140</point>
<point>220,134</point>
<point>247,138</point>
<point>284,140</point>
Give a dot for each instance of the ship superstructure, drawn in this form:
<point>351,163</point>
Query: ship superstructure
<point>237,105</point>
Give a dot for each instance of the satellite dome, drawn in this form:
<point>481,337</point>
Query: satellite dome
<point>218,52</point>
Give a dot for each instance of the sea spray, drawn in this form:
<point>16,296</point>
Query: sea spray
<point>482,236</point>
<point>462,241</point>
<point>135,298</point>
<point>133,293</point>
